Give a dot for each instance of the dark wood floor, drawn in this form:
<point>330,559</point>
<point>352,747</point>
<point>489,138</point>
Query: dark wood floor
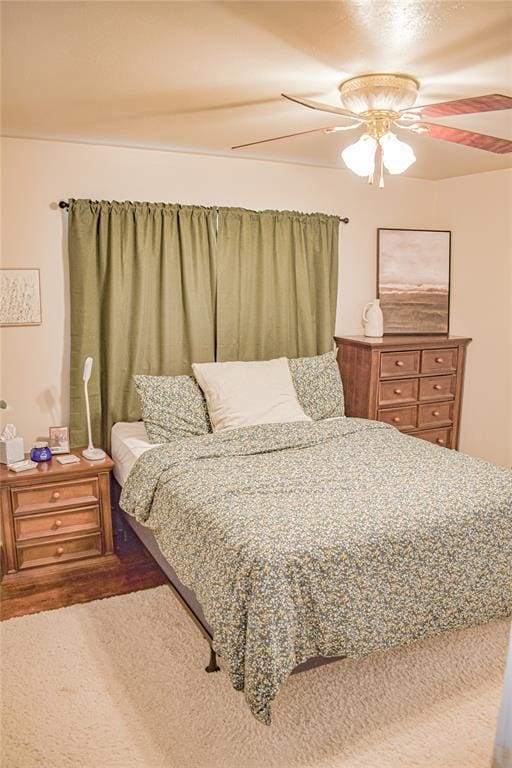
<point>136,570</point>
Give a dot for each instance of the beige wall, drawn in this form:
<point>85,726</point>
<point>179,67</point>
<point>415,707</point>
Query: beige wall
<point>38,173</point>
<point>478,210</point>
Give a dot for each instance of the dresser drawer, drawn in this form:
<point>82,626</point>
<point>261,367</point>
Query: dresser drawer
<point>59,551</point>
<point>398,363</point>
<point>441,437</point>
<point>57,523</point>
<point>434,414</point>
<point>397,392</point>
<point>402,418</point>
<point>437,387</point>
<point>36,498</point>
<point>439,360</point>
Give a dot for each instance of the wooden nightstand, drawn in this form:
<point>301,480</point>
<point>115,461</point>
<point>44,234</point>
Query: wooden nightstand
<point>56,517</point>
<point>412,382</point>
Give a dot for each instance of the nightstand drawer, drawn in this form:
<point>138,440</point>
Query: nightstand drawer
<point>441,437</point>
<point>59,551</point>
<point>437,387</point>
<point>402,418</point>
<point>57,523</point>
<point>434,414</point>
<point>439,360</point>
<point>398,363</point>
<point>36,498</point>
<point>397,392</point>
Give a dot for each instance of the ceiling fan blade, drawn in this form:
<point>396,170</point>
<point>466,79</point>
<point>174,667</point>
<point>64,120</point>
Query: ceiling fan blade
<point>468,138</point>
<point>324,107</point>
<point>493,102</point>
<point>327,129</point>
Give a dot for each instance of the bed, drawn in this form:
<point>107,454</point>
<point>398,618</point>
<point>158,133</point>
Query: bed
<point>319,539</point>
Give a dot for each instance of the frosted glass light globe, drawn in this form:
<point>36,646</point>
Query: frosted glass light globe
<point>360,157</point>
<point>397,155</point>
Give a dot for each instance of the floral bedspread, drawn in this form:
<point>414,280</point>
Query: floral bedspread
<point>331,538</point>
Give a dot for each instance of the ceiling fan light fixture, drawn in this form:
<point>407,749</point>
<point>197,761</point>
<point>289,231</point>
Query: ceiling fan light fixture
<point>397,155</point>
<point>360,157</point>
<point>379,91</point>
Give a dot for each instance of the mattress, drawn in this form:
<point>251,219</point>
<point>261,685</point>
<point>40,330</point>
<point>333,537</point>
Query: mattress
<point>129,441</point>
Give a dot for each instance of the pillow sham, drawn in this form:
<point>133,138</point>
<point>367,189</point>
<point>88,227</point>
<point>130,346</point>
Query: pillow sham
<point>243,394</point>
<point>173,407</point>
<point>318,384</point>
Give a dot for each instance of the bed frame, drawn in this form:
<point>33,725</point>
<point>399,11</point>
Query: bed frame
<point>185,595</point>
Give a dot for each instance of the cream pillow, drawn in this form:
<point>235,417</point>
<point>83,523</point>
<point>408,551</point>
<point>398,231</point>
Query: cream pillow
<point>244,394</point>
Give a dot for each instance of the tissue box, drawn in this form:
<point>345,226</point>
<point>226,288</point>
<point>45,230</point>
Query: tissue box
<point>11,450</point>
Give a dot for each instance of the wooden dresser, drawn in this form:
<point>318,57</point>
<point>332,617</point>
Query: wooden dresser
<point>56,516</point>
<point>411,382</point>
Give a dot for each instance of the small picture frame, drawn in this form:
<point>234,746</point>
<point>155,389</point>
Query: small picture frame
<point>59,439</point>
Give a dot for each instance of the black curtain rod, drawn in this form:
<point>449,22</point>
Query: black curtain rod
<point>65,206</point>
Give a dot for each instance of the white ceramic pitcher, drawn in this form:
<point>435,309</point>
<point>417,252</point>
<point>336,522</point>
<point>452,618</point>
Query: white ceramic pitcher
<point>373,320</point>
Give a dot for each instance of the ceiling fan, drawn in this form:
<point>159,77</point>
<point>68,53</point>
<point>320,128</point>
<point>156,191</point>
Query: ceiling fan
<point>378,102</point>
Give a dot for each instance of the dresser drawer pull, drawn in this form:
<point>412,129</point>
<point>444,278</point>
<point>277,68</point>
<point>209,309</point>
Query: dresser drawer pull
<point>60,550</point>
<point>440,440</point>
<point>439,360</point>
<point>58,523</point>
<point>399,363</point>
<point>438,386</point>
<point>396,419</point>
<point>55,495</point>
<point>397,391</point>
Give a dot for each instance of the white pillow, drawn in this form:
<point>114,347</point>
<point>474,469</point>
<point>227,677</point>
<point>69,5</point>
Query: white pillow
<point>244,394</point>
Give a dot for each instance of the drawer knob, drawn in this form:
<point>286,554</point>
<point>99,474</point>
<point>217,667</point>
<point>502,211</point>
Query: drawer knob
<point>58,523</point>
<point>396,419</point>
<point>56,495</point>
<point>397,391</point>
<point>435,413</point>
<point>60,550</point>
<point>437,386</point>
<point>399,363</point>
<point>439,360</point>
<point>440,440</point>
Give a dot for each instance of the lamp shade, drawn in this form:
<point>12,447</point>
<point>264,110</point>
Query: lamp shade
<point>397,155</point>
<point>360,157</point>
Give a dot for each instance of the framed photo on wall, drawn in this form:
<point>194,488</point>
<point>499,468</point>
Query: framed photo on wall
<point>20,297</point>
<point>413,280</point>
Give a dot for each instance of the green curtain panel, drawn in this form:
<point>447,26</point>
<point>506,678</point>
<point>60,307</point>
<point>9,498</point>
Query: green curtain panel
<point>277,278</point>
<point>142,284</point>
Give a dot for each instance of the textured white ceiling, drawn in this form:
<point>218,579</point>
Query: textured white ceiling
<point>202,76</point>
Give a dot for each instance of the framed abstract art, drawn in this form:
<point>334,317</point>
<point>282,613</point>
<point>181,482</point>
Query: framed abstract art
<point>20,297</point>
<point>413,280</point>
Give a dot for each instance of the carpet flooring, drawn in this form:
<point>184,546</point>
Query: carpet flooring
<point>120,683</point>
